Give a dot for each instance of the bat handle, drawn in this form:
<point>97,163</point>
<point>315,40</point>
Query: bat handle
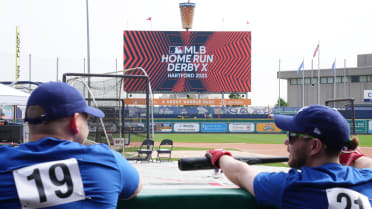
<point>197,163</point>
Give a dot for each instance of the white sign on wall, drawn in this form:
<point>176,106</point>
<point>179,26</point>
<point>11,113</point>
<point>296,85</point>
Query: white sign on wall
<point>241,127</point>
<point>186,127</point>
<point>120,141</point>
<point>367,95</point>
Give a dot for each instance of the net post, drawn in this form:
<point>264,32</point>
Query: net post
<point>148,107</point>
<point>351,102</point>
<point>353,115</point>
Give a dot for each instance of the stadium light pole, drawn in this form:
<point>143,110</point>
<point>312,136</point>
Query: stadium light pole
<point>88,48</point>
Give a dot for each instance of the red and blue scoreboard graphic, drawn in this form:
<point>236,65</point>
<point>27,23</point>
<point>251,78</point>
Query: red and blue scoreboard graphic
<point>181,61</point>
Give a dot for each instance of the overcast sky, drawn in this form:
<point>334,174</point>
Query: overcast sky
<point>288,30</point>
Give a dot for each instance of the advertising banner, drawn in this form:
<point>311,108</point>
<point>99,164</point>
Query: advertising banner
<point>8,111</point>
<point>142,101</point>
<point>267,128</point>
<point>367,95</point>
<point>182,61</point>
<point>214,127</point>
<point>361,126</point>
<point>241,127</point>
<point>163,127</point>
<point>186,127</point>
<point>370,126</point>
<point>118,141</point>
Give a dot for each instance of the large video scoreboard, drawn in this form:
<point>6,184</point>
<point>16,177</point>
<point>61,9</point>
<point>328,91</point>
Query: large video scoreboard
<point>181,61</point>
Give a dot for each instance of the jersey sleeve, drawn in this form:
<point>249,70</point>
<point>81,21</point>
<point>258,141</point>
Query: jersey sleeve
<point>269,188</point>
<point>129,177</point>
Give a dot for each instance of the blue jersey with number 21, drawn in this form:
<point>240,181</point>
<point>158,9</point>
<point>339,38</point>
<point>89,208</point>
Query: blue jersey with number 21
<point>329,186</point>
<point>53,173</point>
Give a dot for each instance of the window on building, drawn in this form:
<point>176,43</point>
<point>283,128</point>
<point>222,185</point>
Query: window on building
<point>345,79</point>
<point>363,78</point>
<point>323,80</point>
<point>370,78</point>
<point>299,81</point>
<point>293,81</point>
<point>314,80</point>
<point>338,79</point>
<point>307,80</point>
<point>330,80</point>
<point>355,79</point>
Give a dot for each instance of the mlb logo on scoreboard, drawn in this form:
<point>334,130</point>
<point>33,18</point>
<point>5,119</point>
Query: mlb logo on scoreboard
<point>176,50</point>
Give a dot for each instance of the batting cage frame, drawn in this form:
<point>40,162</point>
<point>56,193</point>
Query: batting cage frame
<point>347,105</point>
<point>91,97</point>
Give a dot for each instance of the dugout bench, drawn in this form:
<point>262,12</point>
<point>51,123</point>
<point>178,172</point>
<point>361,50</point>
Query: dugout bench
<point>232,198</point>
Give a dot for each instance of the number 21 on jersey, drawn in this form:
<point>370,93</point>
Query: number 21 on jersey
<point>49,184</point>
<point>342,198</point>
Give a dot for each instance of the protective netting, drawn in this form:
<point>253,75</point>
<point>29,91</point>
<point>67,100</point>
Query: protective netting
<point>109,89</point>
<point>346,108</point>
<point>124,127</point>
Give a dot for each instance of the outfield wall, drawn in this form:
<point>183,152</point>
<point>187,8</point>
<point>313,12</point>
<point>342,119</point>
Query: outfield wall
<point>235,126</point>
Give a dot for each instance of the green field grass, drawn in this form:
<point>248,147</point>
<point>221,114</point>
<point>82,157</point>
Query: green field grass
<point>365,140</point>
<point>134,149</point>
<point>224,138</point>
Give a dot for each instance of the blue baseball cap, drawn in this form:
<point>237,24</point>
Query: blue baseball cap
<point>59,100</point>
<point>322,122</point>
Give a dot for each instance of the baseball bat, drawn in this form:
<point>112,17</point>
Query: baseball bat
<point>203,163</point>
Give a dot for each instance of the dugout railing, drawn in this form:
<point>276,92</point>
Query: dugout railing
<point>222,198</point>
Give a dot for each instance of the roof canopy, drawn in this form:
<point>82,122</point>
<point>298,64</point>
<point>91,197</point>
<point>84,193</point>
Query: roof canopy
<point>12,96</point>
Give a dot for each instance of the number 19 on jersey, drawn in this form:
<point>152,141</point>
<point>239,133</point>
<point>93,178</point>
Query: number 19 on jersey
<point>49,184</point>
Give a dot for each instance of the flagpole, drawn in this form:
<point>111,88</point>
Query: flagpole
<point>279,88</point>
<point>17,55</point>
<point>344,78</point>
<point>312,80</point>
<point>303,82</point>
<point>223,24</point>
<point>334,80</point>
<point>150,19</point>
<point>318,72</point>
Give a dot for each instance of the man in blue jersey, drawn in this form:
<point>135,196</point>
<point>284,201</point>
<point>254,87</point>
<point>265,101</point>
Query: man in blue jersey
<point>316,136</point>
<point>55,169</point>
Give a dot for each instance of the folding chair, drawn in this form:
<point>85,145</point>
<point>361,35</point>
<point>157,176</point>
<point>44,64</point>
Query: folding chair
<point>145,150</point>
<point>165,147</point>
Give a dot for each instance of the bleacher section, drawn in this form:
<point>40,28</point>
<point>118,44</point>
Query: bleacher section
<point>361,112</point>
<point>211,112</point>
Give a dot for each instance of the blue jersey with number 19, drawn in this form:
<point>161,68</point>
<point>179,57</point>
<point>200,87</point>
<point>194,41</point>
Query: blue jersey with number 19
<point>328,186</point>
<point>53,173</point>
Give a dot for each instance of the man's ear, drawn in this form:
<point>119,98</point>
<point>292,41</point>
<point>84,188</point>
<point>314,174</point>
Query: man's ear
<point>316,146</point>
<point>73,123</point>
